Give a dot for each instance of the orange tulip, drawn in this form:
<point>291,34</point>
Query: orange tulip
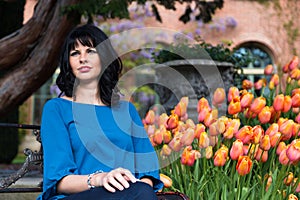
<point>286,129</point>
<point>203,140</point>
<point>293,151</point>
<point>289,179</point>
<point>172,122</point>
<point>233,93</point>
<point>265,143</point>
<point>292,197</point>
<point>167,181</point>
<point>274,139</point>
<point>162,119</point>
<point>229,133</point>
<point>269,182</point>
<point>261,155</point>
<point>265,115</point>
<point>203,113</point>
<point>221,156</point>
<point>188,156</point>
<point>268,70</point>
<point>275,79</point>
<point>181,107</point>
<point>258,132</point>
<point>247,84</point>
<point>272,130</point>
<point>167,135</point>
<point>295,74</point>
<point>293,64</point>
<point>213,129</point>
<point>278,102</point>
<point>199,129</point>
<point>287,104</point>
<point>246,99</point>
<point>210,117</point>
<point>236,149</point>
<point>150,117</point>
<point>245,134</point>
<point>150,129</point>
<point>187,137</point>
<point>213,140</point>
<point>203,104</point>
<point>218,97</point>
<point>244,165</point>
<point>234,106</point>
<point>260,83</point>
<point>258,104</point>
<point>175,144</point>
<point>281,146</point>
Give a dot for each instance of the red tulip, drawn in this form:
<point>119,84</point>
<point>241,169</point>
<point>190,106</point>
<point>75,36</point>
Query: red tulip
<point>260,83</point>
<point>172,122</point>
<point>236,150</point>
<point>296,100</point>
<point>244,165</point>
<point>258,104</point>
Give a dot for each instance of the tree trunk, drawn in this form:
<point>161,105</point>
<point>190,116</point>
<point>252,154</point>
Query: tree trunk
<point>30,55</point>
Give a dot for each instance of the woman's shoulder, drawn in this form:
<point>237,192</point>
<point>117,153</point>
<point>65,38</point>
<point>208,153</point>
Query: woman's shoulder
<point>57,102</point>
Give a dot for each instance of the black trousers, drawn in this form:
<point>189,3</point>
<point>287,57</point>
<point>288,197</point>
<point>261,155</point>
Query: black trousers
<point>136,191</point>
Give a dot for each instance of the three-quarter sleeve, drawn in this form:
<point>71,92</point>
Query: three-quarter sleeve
<point>146,161</point>
<point>58,157</point>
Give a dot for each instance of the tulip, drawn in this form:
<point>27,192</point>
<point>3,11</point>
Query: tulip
<point>272,130</point>
<point>175,144</point>
<point>249,114</point>
<point>236,149</point>
<point>244,165</point>
<point>247,84</point>
<point>293,151</point>
<point>190,124</point>
<point>167,136</point>
<point>235,123</point>
<point>162,119</point>
<point>208,152</point>
<point>269,182</point>
<point>261,155</point>
<point>286,129</point>
<point>293,63</point>
<point>265,115</point>
<point>203,104</point>
<point>213,129</point>
<point>202,114</point>
<point>187,137</point>
<point>296,130</point>
<point>210,118</point>
<point>203,140</point>
<point>233,93</point>
<point>295,91</point>
<point>285,68</point>
<point>165,150</point>
<point>278,102</point>
<point>158,137</point>
<point>275,79</point>
<point>296,100</point>
<point>258,104</point>
<point>274,115</point>
<point>213,140</point>
<point>265,143</point>
<point>167,181</point>
<point>289,179</point>
<point>281,146</point>
<point>234,106</point>
<point>295,74</point>
<point>283,159</point>
<point>274,139</point>
<point>150,117</point>
<point>221,156</point>
<point>268,70</point>
<point>292,197</point>
<point>181,107</point>
<point>258,132</point>
<point>245,134</point>
<point>229,133</point>
<point>287,104</point>
<point>260,83</point>
<point>219,96</point>
<point>188,156</point>
<point>246,99</point>
<point>198,130</point>
<point>150,129</point>
<point>172,122</point>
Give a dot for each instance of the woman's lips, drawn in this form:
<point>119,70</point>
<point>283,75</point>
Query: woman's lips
<point>84,69</point>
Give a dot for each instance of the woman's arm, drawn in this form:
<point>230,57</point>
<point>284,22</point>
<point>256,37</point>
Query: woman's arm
<point>116,179</point>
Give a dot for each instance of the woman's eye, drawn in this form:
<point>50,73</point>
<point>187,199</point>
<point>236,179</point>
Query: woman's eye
<point>91,51</point>
<point>74,53</point>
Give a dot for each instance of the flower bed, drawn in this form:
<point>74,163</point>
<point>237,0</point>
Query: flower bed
<point>251,153</point>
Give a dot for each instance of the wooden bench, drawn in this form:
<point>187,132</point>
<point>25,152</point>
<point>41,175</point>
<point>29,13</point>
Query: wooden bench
<point>34,159</point>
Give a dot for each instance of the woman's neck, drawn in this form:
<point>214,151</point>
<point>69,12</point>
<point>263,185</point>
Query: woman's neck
<point>88,95</point>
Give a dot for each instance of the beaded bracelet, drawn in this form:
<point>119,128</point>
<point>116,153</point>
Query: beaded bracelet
<point>90,177</point>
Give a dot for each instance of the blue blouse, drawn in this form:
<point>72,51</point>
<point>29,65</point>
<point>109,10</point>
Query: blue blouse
<point>83,138</point>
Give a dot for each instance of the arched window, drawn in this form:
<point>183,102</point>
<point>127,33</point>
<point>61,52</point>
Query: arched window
<point>261,55</point>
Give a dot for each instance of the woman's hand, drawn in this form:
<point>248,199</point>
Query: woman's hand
<point>116,179</point>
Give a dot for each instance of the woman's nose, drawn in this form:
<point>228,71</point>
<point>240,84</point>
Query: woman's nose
<point>83,58</point>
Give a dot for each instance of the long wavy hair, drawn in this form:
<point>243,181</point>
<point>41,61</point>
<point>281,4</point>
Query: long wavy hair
<point>111,64</point>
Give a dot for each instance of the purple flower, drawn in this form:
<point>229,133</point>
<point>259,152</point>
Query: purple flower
<point>231,22</point>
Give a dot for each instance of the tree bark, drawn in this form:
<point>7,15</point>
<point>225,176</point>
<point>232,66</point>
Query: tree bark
<point>30,55</point>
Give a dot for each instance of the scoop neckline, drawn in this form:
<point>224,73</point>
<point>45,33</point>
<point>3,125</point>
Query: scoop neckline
<point>81,103</point>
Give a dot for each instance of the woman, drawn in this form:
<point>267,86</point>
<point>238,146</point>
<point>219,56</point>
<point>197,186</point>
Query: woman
<point>94,145</point>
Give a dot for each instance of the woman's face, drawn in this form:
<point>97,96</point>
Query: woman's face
<point>85,63</point>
